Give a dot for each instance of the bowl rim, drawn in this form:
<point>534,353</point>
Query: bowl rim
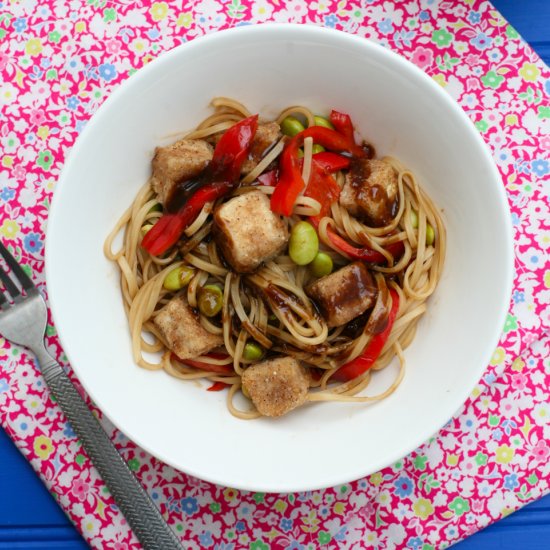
<point>290,31</point>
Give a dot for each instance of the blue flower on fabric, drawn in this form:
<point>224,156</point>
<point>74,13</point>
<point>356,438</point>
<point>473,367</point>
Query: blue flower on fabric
<point>189,505</point>
<point>285,524</point>
<point>519,297</point>
<point>206,539</point>
<point>511,481</point>
<point>224,546</point>
<point>68,431</point>
<point>295,545</point>
<point>20,24</point>
<point>79,126</point>
<point>6,194</point>
<point>481,41</point>
<point>331,20</point>
<point>497,434</point>
<point>489,378</point>
<point>107,71</point>
<point>474,17</point>
<point>4,386</point>
<point>385,26</point>
<point>45,62</point>
<point>515,219</point>
<point>72,103</point>
<point>240,526</point>
<point>415,543</point>
<point>547,87</point>
<point>424,15</point>
<point>403,486</point>
<point>32,242</point>
<point>153,34</point>
<point>342,533</point>
<point>540,167</point>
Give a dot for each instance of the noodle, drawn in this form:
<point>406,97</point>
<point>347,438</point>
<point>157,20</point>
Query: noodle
<point>270,306</point>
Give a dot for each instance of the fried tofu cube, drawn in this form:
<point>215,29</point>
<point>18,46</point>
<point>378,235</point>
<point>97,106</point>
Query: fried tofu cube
<point>182,331</point>
<point>344,294</point>
<point>266,136</point>
<point>248,232</point>
<point>371,191</point>
<point>183,160</point>
<point>276,386</point>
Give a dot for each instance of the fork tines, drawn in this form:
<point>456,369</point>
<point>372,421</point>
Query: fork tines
<point>18,274</point>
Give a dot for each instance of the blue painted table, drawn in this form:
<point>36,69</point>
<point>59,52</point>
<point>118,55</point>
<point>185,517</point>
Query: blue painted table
<point>30,518</point>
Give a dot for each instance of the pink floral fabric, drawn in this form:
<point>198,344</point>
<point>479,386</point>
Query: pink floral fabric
<point>59,61</point>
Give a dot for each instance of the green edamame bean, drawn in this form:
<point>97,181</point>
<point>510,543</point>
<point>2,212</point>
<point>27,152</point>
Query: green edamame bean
<point>321,265</point>
<point>303,244</point>
<point>178,278</point>
<point>414,219</point>
<point>252,351</point>
<point>322,121</point>
<point>291,126</point>
<point>155,208</point>
<point>430,235</point>
<point>210,300</point>
<point>317,149</point>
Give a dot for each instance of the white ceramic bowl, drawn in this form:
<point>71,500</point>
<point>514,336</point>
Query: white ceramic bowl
<point>403,113</point>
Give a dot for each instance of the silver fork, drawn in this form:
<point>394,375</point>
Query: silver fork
<point>23,321</point>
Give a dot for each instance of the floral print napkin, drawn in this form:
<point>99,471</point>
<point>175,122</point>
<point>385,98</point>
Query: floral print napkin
<point>59,60</point>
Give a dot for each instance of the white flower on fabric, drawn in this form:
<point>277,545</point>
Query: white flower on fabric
<point>261,10</point>
<point>454,87</point>
<point>509,407</point>
<point>541,414</point>
<point>208,7</point>
<point>8,93</point>
<point>396,534</point>
<point>90,525</point>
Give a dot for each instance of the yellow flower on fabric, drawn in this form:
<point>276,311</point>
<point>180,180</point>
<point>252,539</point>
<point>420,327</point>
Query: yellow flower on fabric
<point>338,508</point>
<point>80,26</point>
<point>7,161</point>
<point>33,47</point>
<point>376,479</point>
<point>529,72</point>
<point>518,364</point>
<point>43,447</point>
<point>547,279</point>
<point>9,229</point>
<point>452,460</point>
<point>230,494</point>
<point>423,508</point>
<point>185,20</point>
<point>158,11</point>
<point>498,356</point>
<point>511,120</point>
<point>43,132</point>
<point>440,79</point>
<point>504,454</point>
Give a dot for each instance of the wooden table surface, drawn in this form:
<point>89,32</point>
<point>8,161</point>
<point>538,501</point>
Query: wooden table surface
<point>31,519</point>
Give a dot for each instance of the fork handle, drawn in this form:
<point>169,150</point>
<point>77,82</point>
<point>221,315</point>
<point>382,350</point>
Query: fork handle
<point>141,514</point>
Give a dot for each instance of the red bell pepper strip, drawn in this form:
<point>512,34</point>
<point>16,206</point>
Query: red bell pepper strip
<point>332,140</point>
<point>217,179</point>
<point>322,187</point>
<point>370,354</point>
<point>168,229</point>
<point>290,183</point>
<point>209,367</point>
<point>355,253</point>
<point>342,123</point>
<point>218,386</point>
<point>331,162</point>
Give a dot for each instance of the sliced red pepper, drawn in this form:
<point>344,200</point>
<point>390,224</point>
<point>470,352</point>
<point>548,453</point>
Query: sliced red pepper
<point>361,364</point>
<point>218,386</point>
<point>331,162</point>
<point>209,367</point>
<point>290,183</point>
<point>322,187</point>
<point>332,140</point>
<point>355,253</point>
<point>342,123</point>
<point>216,180</point>
<point>168,229</point>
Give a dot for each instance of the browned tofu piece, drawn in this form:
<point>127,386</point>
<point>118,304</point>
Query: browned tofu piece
<point>248,232</point>
<point>182,331</point>
<point>276,386</point>
<point>371,191</point>
<point>182,160</point>
<point>266,136</point>
<point>344,294</point>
